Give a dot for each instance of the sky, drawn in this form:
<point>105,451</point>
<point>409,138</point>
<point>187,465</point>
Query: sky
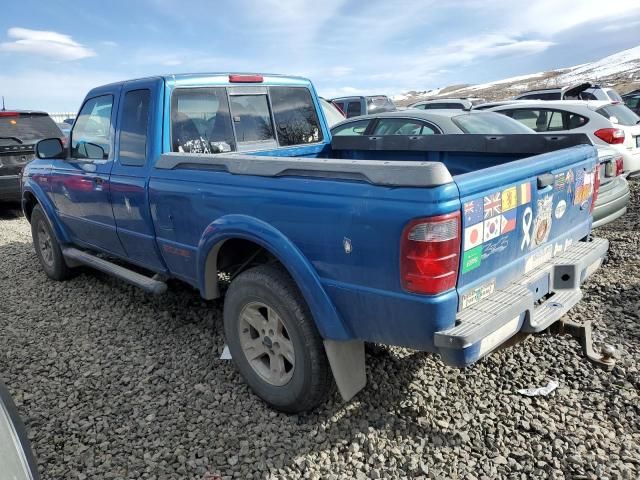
<point>53,51</point>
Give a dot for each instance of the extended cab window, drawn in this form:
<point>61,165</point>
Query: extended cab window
<point>401,126</point>
<point>251,118</point>
<point>91,134</point>
<point>200,121</point>
<point>295,116</point>
<point>133,128</point>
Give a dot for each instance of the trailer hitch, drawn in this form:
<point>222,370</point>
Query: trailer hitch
<point>582,331</point>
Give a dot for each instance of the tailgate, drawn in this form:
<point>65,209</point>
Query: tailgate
<point>519,215</point>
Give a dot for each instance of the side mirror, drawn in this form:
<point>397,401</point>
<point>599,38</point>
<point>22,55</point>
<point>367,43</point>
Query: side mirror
<point>94,151</point>
<point>16,456</point>
<point>50,148</point>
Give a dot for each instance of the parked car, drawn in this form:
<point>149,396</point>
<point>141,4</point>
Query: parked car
<point>332,113</point>
<point>610,205</point>
<point>356,106</point>
<point>582,91</point>
<point>430,122</point>
<point>20,130</point>
<point>316,245</point>
<point>65,128</point>
<point>447,103</point>
<point>606,123</point>
<point>632,100</point>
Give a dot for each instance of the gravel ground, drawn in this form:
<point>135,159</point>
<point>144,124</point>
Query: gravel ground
<point>116,384</point>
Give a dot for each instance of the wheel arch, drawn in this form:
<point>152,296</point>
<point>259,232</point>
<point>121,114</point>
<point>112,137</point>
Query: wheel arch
<point>243,228</point>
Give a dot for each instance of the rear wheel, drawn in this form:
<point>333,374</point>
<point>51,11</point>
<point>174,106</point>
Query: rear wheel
<point>47,247</point>
<point>274,342</point>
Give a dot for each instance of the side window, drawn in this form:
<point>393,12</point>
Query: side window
<point>555,121</point>
<point>575,121</point>
<point>133,128</point>
<point>200,121</point>
<point>295,116</point>
<point>526,117</point>
<point>251,118</point>
<point>91,134</point>
<point>352,128</point>
<point>401,126</point>
<point>354,109</point>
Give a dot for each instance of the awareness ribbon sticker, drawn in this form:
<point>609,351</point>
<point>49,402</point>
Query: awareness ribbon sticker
<point>527,218</point>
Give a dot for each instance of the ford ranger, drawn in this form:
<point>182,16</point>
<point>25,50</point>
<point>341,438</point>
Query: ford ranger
<point>232,183</point>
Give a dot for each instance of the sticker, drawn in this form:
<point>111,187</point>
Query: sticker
<point>538,257</point>
<point>473,212</point>
<point>492,227</point>
<point>475,295</point>
<point>527,218</point>
<point>542,224</point>
<point>346,244</point>
<point>509,199</point>
<point>491,341</point>
<point>497,246</point>
<point>473,236</point>
<point>561,207</point>
<point>471,259</point>
<point>559,181</point>
<point>584,187</point>
<point>569,176</point>
<point>508,222</point>
<point>525,193</point>
<point>492,205</point>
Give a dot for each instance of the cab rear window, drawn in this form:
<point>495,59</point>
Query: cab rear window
<point>27,128</point>
<point>295,116</point>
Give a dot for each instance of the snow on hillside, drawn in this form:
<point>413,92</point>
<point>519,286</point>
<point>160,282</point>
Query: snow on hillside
<point>620,70</point>
<point>627,61</point>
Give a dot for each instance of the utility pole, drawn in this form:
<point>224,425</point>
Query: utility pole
<point>3,109</point>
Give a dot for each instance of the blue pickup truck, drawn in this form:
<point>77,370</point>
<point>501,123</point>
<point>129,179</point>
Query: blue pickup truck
<point>232,183</point>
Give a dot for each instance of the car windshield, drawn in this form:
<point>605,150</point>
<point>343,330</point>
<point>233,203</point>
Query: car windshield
<point>619,114</point>
<point>489,123</point>
<point>27,127</point>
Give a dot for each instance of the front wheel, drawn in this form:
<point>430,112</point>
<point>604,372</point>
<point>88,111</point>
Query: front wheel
<point>274,342</point>
<point>47,247</point>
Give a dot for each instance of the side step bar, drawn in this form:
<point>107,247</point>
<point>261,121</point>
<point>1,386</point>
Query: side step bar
<point>75,257</point>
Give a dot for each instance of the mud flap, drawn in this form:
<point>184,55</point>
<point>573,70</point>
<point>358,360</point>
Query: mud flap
<point>347,364</point>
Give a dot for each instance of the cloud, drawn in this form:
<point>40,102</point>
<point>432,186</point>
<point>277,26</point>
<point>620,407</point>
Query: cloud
<point>45,43</point>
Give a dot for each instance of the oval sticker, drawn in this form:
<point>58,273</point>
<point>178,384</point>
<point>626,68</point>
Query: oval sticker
<point>560,209</point>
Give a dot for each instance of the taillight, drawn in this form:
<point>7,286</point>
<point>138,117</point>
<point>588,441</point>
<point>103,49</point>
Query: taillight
<point>619,166</point>
<point>610,135</point>
<point>596,187</point>
<point>430,254</point>
<point>4,113</point>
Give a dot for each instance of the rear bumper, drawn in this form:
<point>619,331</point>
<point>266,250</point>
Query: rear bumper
<point>531,304</point>
<point>10,188</point>
<point>612,202</point>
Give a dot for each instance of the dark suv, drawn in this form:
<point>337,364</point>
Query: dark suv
<point>356,106</point>
<point>19,133</point>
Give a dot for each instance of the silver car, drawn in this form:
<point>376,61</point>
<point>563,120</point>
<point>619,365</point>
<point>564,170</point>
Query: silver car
<point>606,123</point>
<point>447,104</point>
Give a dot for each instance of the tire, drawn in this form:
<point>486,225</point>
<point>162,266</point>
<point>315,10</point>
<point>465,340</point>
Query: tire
<point>274,342</point>
<point>47,247</point>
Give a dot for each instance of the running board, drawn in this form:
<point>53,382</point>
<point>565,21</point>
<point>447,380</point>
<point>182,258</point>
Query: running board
<point>75,257</point>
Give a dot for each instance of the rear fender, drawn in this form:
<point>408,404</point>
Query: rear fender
<point>326,317</point>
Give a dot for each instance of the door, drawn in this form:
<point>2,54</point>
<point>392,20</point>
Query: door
<point>136,146</point>
<point>80,184</point>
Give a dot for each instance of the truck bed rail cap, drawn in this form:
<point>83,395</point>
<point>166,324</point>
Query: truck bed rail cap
<point>376,172</point>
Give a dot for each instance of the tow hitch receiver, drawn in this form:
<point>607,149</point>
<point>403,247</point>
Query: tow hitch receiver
<point>582,331</point>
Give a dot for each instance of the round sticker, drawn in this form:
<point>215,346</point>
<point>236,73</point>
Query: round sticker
<point>560,209</point>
